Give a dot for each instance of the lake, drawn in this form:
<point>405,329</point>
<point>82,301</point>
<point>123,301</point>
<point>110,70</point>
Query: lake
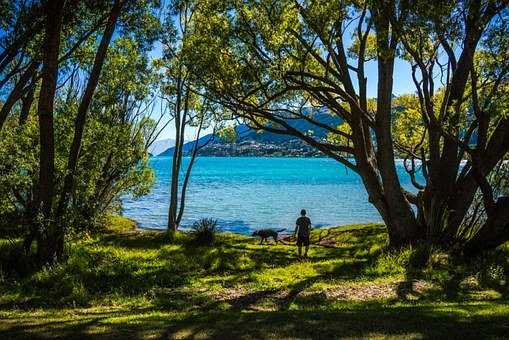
<point>247,193</point>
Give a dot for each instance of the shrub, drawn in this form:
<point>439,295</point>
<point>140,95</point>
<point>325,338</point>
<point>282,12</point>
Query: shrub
<point>391,262</point>
<point>14,262</point>
<point>204,231</point>
<point>492,269</point>
<point>113,162</point>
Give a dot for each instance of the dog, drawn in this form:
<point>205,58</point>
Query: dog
<point>264,234</point>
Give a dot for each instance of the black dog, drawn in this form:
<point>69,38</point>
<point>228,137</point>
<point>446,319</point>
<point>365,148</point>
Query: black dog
<point>264,234</point>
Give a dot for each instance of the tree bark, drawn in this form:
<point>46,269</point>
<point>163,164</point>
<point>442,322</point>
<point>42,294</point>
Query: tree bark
<point>177,152</point>
<point>188,172</point>
<point>46,249</point>
<point>398,214</point>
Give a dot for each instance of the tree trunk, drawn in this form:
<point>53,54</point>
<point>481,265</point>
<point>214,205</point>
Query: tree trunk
<point>188,173</point>
<point>46,237</point>
<point>27,100</point>
<point>387,196</point>
<point>401,221</point>
<point>175,168</point>
<point>181,115</point>
<point>494,232</point>
<point>79,124</point>
<point>17,92</point>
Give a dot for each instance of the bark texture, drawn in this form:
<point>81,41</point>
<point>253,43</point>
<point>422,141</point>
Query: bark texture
<point>46,242</point>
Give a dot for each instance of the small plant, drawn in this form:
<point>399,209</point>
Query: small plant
<point>390,262</point>
<point>204,231</point>
<point>492,275</point>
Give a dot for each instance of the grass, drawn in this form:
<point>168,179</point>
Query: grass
<point>131,284</point>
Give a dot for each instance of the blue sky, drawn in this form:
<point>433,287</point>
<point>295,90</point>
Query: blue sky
<point>402,78</point>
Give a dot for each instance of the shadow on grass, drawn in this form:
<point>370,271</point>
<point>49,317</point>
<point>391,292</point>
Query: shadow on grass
<point>146,266</point>
<point>455,278</point>
<point>116,266</point>
<point>366,320</point>
<point>136,240</point>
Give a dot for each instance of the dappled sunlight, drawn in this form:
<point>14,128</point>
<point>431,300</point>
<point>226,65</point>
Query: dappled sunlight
<point>141,285</point>
<point>357,320</point>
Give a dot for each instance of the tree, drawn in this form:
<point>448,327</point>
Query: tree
<point>22,22</point>
<point>81,118</point>
<point>268,61</point>
<point>462,118</point>
<point>63,47</point>
<point>187,106</point>
<point>113,159</point>
<point>23,41</point>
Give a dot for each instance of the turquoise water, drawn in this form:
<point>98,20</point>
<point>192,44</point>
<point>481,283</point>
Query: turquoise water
<point>247,193</point>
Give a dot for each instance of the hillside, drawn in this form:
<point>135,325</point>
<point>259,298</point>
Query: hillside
<point>251,142</point>
<point>160,146</point>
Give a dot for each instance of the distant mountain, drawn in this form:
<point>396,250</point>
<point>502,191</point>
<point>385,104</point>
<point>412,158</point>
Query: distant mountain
<point>251,142</point>
<point>160,146</point>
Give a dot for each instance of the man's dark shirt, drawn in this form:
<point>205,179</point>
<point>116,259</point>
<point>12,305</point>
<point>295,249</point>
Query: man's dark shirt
<point>304,226</point>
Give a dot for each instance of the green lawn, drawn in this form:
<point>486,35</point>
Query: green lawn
<point>137,284</point>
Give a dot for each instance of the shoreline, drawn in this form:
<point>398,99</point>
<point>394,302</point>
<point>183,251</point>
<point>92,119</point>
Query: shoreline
<point>397,159</point>
<point>287,231</point>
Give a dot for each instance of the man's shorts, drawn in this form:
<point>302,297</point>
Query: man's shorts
<point>302,240</point>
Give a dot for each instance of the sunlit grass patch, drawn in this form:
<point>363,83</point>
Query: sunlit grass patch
<point>141,284</point>
<point>115,223</point>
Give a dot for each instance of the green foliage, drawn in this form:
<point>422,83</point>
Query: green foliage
<point>113,160</point>
<point>228,134</point>
<point>340,139</point>
<point>18,169</point>
<point>112,163</point>
<point>503,177</point>
<point>370,48</point>
<point>408,128</point>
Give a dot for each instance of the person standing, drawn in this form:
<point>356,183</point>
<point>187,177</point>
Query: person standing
<point>302,230</point>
